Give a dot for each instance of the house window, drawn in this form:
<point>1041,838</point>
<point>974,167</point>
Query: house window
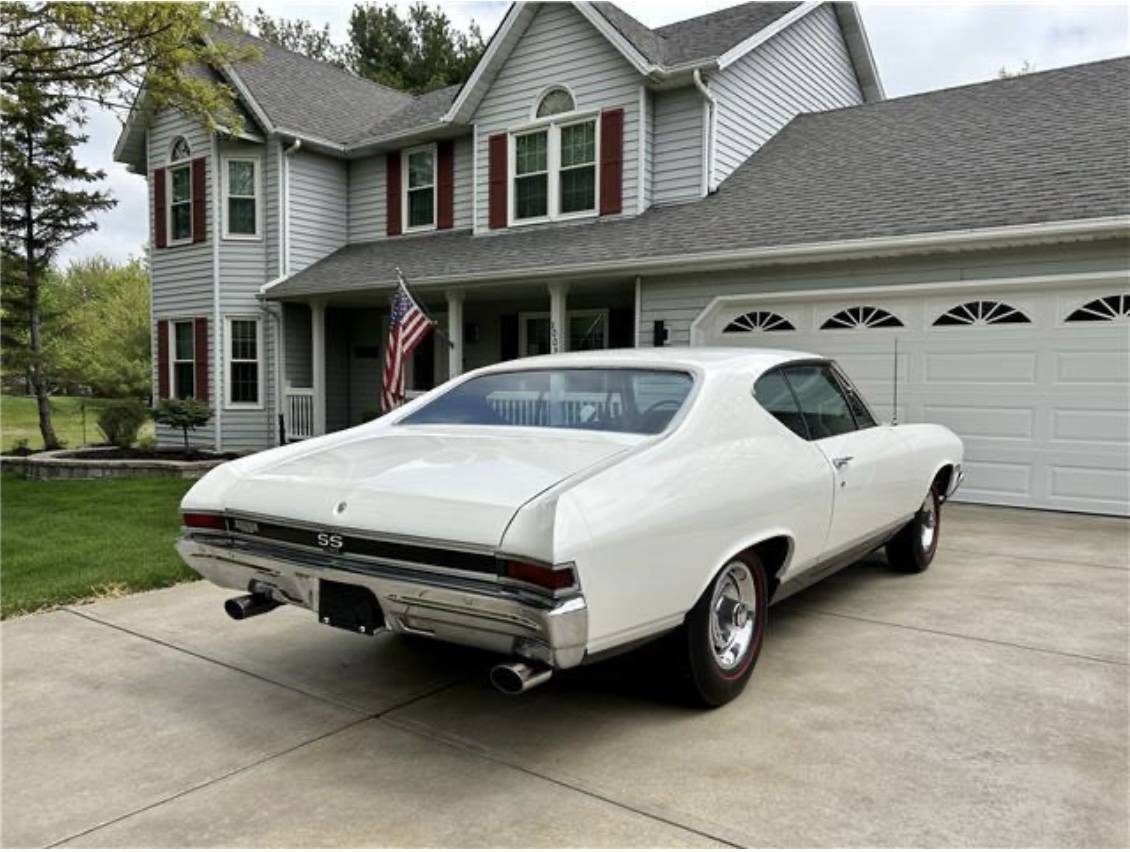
<point>531,175</point>
<point>555,102</point>
<point>758,321</point>
<point>241,197</point>
<point>244,373</point>
<point>419,181</point>
<point>180,194</point>
<point>183,364</point>
<point>981,313</point>
<point>578,167</point>
<point>587,330</point>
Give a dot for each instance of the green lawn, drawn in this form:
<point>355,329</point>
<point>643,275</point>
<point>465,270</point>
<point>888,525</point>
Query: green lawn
<point>20,420</point>
<point>67,540</point>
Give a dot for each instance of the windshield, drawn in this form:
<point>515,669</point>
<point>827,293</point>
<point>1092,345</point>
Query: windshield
<point>603,400</point>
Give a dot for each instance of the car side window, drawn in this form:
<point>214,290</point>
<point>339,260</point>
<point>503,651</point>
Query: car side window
<point>774,395</point>
<point>822,402</point>
<point>859,409</point>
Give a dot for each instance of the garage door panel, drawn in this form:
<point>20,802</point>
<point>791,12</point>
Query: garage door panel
<point>1043,406</point>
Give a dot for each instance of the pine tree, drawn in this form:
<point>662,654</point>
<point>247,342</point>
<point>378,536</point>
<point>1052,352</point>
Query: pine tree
<point>45,206</point>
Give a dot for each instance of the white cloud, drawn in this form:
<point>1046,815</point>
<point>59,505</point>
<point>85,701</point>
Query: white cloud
<point>918,47</point>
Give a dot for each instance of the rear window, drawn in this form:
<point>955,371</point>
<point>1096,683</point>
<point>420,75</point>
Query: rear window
<point>601,400</point>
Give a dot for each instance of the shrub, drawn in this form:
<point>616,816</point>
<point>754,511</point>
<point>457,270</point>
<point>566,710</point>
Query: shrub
<point>183,414</point>
<point>120,422</point>
<point>147,444</point>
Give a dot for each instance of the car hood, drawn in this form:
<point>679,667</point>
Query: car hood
<point>439,483</point>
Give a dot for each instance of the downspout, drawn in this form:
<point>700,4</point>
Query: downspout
<point>711,127</point>
<point>217,329</point>
<point>285,270</point>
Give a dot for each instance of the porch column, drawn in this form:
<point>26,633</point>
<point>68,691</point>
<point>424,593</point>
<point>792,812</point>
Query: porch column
<point>455,333</point>
<point>558,317</point>
<point>318,363</point>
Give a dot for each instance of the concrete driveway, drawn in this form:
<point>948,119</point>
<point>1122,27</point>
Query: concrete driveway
<point>982,703</point>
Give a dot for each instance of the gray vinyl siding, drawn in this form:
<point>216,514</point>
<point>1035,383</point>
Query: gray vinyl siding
<point>678,300</point>
<point>319,207</point>
<point>181,275</point>
<point>647,137</point>
<point>367,215</point>
<point>677,159</point>
<point>297,340</point>
<point>244,268</point>
<point>271,159</point>
<point>559,47</point>
<point>464,168</point>
<point>804,68</point>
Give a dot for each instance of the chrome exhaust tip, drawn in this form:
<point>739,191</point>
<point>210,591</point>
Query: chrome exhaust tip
<point>517,677</point>
<point>246,606</point>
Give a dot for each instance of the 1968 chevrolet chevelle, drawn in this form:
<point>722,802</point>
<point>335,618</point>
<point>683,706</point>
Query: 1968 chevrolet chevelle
<point>562,508</point>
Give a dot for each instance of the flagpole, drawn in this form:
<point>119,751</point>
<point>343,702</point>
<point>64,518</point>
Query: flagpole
<point>435,325</point>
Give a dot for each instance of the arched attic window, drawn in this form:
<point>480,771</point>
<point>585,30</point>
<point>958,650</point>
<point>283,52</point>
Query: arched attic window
<point>179,150</point>
<point>556,100</point>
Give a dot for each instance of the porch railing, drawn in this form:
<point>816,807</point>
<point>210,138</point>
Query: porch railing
<point>299,413</point>
<point>528,409</point>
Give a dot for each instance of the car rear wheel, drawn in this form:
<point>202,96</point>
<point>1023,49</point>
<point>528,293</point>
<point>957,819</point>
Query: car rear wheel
<point>724,631</point>
<point>913,547</point>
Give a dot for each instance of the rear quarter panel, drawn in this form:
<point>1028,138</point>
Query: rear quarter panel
<point>662,521</point>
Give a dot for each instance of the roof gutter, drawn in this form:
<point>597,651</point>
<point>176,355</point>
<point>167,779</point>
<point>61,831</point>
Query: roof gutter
<point>966,240</point>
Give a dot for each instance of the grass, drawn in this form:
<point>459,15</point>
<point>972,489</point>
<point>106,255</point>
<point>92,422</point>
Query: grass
<point>19,420</point>
<point>65,541</point>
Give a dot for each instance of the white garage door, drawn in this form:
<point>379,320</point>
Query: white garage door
<point>1036,381</point>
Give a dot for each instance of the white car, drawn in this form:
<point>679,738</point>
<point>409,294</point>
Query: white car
<point>562,508</point>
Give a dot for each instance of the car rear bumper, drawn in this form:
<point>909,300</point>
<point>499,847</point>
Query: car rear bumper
<point>444,607</point>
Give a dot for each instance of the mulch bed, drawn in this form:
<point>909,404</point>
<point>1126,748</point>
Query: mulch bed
<point>107,453</point>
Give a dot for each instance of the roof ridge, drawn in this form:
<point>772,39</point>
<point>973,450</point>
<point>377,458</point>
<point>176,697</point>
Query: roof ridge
<point>320,62</point>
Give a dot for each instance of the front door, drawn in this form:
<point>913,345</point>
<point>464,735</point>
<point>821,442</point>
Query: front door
<point>868,493</point>
<point>586,330</point>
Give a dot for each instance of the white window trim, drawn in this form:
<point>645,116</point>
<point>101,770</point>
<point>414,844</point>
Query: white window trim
<point>552,125</point>
<point>525,316</point>
<point>541,97</point>
<point>255,161</point>
<point>404,155</point>
<point>173,360</point>
<point>228,361</point>
<point>169,241</point>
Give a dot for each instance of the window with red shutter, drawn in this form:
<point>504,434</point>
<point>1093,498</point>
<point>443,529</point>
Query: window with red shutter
<point>445,184</point>
<point>392,194</point>
<point>497,181</point>
<point>160,225</point>
<point>201,357</point>
<point>199,200</point>
<point>611,161</point>
<point>162,359</point>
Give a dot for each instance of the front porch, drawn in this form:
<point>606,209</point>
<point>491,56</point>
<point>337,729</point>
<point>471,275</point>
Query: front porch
<point>332,348</point>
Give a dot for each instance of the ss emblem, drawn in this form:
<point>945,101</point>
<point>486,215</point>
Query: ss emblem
<point>330,541</point>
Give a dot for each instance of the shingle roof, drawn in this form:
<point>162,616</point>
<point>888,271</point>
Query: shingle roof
<point>1045,147</point>
<point>308,96</point>
<point>703,37</point>
<point>421,111</point>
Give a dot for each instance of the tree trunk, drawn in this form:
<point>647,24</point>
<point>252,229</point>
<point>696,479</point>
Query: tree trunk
<point>35,321</point>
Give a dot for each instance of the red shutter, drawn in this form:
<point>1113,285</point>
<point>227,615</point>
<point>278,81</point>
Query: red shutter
<point>199,200</point>
<point>160,228</point>
<point>392,193</point>
<point>162,359</point>
<point>445,184</point>
<point>497,181</point>
<point>201,352</point>
<point>611,161</point>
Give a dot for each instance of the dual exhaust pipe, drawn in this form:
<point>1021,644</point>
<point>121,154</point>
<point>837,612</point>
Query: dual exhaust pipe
<point>511,678</point>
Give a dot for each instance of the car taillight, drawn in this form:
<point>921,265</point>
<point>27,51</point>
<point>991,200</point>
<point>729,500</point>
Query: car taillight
<point>554,579</point>
<point>201,520</point>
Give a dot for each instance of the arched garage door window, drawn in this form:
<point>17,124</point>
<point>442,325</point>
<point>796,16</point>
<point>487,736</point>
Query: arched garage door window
<point>862,316</point>
<point>981,313</point>
<point>1106,309</point>
<point>758,321</point>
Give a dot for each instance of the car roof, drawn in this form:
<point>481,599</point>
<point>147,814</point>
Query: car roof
<point>709,358</point>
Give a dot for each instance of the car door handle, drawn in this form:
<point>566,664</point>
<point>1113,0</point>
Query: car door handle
<point>841,461</point>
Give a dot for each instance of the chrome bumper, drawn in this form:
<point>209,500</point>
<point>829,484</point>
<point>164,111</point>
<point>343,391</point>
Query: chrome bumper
<point>445,608</point>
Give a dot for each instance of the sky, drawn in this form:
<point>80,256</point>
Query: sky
<point>918,47</point>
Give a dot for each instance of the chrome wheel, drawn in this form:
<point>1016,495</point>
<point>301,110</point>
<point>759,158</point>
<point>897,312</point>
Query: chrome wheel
<point>928,523</point>
<point>733,610</point>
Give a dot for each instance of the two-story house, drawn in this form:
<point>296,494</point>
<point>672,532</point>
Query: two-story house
<point>735,178</point>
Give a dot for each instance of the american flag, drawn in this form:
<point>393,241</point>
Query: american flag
<point>407,326</point>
